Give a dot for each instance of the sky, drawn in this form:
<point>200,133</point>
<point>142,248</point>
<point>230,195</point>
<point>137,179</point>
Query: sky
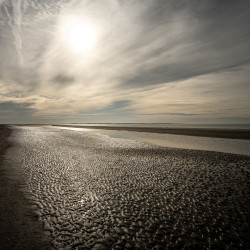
<point>162,61</point>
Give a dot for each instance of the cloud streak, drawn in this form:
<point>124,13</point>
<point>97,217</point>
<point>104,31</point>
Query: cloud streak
<point>163,61</point>
<point>16,29</point>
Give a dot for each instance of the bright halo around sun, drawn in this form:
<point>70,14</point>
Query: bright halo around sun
<point>80,35</point>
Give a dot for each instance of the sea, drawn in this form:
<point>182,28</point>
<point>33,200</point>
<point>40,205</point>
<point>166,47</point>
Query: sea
<point>167,125</point>
<point>234,146</point>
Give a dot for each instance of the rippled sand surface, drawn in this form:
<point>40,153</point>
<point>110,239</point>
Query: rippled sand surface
<point>97,192</point>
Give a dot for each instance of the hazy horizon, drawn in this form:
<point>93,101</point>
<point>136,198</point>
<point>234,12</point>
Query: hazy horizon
<point>170,123</point>
<point>236,126</point>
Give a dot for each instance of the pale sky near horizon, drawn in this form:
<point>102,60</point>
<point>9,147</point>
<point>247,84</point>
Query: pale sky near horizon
<point>83,61</point>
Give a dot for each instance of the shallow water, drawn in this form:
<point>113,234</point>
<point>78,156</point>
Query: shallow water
<point>234,146</point>
<point>166,125</point>
<point>97,192</point>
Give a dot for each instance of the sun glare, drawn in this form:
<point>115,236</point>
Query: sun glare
<point>80,35</point>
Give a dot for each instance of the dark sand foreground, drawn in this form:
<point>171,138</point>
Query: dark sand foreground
<point>95,192</point>
<point>19,228</point>
<point>243,134</point>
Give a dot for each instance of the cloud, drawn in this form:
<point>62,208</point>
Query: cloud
<point>16,28</point>
<point>160,60</point>
<point>63,79</point>
<point>6,107</point>
<point>10,110</point>
<point>1,2</point>
<point>116,108</point>
<point>195,39</point>
<point>166,114</point>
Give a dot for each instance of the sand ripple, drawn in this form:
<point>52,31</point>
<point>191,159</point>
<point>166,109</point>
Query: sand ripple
<point>100,193</point>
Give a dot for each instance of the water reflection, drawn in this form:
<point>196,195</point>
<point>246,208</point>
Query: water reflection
<point>234,146</point>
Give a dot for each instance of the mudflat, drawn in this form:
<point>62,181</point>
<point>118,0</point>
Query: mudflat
<point>203,132</point>
<point>91,191</point>
<point>19,228</point>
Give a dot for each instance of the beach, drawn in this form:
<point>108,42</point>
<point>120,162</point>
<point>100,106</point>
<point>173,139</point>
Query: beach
<point>91,191</point>
<point>19,227</point>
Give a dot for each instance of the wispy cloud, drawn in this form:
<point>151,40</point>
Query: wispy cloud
<point>1,2</point>
<point>16,28</point>
<point>154,60</point>
<point>166,114</point>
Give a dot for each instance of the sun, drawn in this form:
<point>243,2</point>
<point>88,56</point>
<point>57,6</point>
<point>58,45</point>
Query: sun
<point>80,35</point>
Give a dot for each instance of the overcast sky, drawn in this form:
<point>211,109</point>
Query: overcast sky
<point>137,61</point>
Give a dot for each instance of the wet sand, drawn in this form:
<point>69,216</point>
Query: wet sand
<point>203,132</point>
<point>19,228</point>
<point>94,192</point>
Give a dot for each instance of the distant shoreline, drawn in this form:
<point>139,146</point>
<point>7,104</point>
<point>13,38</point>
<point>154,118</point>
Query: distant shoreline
<point>243,134</point>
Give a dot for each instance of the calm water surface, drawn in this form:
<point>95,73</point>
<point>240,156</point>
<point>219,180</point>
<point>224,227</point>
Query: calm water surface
<point>234,146</point>
<point>167,125</point>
